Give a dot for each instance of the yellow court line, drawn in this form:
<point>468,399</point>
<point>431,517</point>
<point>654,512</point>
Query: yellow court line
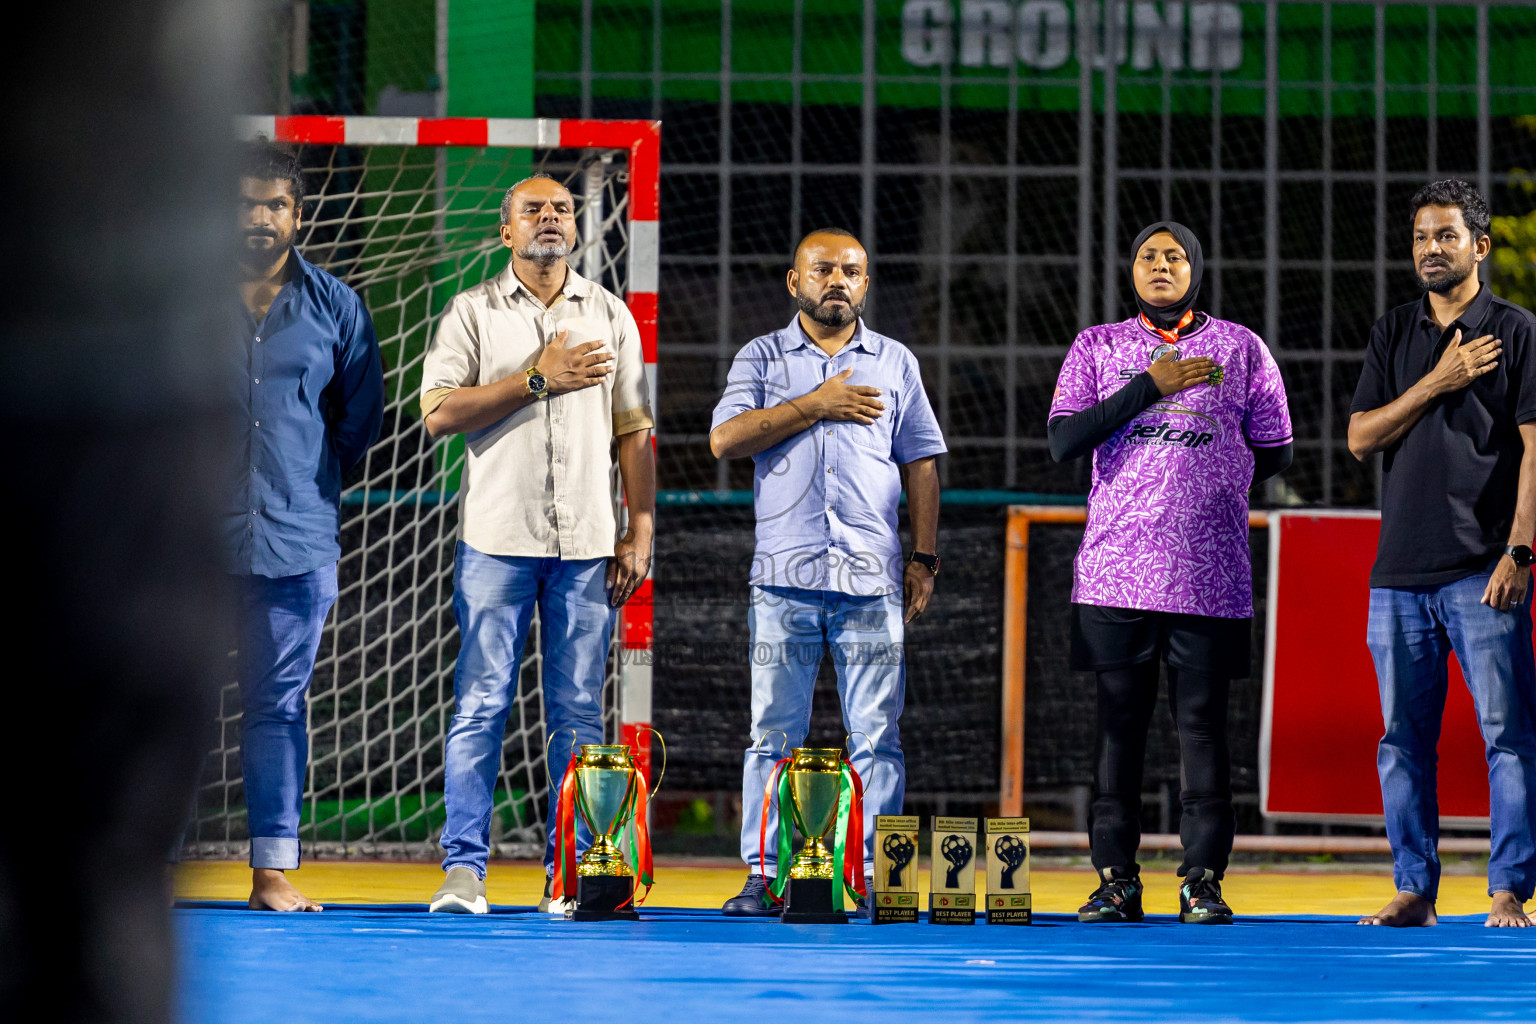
<point>685,885</point>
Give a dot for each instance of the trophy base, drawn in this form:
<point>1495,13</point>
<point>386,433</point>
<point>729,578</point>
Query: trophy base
<point>599,897</point>
<point>809,901</point>
<point>893,908</point>
<point>1010,909</point>
<point>952,908</point>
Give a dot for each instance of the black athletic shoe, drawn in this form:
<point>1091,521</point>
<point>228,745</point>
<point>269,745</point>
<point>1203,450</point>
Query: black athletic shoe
<point>1118,899</point>
<point>1200,899</point>
<point>752,901</point>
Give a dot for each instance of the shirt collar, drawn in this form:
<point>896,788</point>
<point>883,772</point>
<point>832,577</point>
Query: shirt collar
<point>306,268</point>
<point>303,270</point>
<point>1470,317</point>
<point>575,287</point>
<point>795,337</point>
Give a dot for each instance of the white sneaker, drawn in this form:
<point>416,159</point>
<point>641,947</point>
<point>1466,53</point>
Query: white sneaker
<point>463,892</point>
<point>549,905</point>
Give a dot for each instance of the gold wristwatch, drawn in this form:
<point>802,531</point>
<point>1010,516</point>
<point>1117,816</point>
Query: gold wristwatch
<point>538,385</point>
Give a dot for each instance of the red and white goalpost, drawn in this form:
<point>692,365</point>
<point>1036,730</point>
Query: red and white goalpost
<point>406,210</point>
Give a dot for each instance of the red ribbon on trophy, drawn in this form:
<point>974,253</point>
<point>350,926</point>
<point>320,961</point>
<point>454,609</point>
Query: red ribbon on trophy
<point>565,835</point>
<point>636,807</point>
<point>762,832</point>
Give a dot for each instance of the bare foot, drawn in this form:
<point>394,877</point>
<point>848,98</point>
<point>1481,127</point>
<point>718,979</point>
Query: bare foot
<point>1507,912</point>
<point>1406,910</point>
<point>271,890</point>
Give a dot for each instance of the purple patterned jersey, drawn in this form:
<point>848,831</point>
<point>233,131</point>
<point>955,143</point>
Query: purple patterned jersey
<point>1168,510</point>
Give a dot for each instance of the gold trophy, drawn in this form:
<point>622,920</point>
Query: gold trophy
<point>604,786</point>
<point>1008,896</point>
<point>814,777</point>
<point>894,900</point>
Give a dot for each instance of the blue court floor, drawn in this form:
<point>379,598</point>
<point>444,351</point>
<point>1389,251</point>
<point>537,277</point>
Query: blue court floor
<point>396,963</point>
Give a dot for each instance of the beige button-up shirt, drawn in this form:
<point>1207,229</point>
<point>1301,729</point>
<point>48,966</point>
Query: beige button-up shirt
<point>538,483</point>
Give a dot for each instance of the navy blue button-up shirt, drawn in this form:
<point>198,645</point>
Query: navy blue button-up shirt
<point>826,498</point>
<point>310,385</point>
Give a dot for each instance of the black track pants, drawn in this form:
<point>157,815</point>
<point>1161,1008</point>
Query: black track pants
<point>1199,701</point>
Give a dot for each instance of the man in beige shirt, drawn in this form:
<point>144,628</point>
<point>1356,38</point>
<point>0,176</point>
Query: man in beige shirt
<point>540,370</point>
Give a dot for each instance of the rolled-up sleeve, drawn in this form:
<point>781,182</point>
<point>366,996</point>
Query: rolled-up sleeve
<point>915,434</point>
<point>631,390</point>
<point>453,359</point>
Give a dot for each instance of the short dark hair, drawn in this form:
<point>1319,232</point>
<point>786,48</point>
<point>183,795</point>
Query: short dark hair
<point>506,198</point>
<point>794,257</point>
<point>1460,194</point>
<point>265,161</point>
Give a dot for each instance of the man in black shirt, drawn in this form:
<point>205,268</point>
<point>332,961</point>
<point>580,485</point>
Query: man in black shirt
<point>1448,394</point>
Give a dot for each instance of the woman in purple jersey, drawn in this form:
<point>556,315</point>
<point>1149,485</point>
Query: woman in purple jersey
<point>1183,414</point>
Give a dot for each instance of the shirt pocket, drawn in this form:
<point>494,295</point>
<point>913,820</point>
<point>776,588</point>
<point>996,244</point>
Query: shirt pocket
<point>876,435</point>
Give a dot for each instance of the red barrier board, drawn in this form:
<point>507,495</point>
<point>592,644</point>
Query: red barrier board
<point>1322,711</point>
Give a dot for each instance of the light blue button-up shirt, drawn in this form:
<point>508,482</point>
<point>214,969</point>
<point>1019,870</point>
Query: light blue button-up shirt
<point>826,498</point>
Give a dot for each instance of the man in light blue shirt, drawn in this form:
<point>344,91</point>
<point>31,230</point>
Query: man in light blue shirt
<point>835,419</point>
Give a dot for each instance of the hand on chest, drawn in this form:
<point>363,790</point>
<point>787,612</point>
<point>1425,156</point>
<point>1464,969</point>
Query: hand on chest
<point>1194,420</point>
<point>806,374</point>
<point>1126,362</point>
<point>515,340</point>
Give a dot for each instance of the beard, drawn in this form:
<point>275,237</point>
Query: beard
<point>826,315</point>
<point>259,257</point>
<point>1448,279</point>
<point>545,254</point>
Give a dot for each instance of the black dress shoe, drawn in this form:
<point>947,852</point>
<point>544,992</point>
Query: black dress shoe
<point>752,901</point>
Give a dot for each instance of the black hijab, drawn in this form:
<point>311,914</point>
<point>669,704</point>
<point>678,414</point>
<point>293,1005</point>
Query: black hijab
<point>1167,317</point>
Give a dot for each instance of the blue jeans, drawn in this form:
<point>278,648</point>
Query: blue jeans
<point>1411,633</point>
<point>493,601</point>
<point>280,624</point>
<point>790,629</point>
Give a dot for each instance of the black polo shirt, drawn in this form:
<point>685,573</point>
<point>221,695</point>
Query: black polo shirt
<point>1448,486</point>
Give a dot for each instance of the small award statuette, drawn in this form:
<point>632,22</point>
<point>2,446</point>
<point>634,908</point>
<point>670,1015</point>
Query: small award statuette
<point>1007,845</point>
<point>953,896</point>
<point>894,900</point>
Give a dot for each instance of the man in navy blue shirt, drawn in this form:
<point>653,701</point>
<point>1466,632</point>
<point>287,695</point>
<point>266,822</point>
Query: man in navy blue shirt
<point>310,385</point>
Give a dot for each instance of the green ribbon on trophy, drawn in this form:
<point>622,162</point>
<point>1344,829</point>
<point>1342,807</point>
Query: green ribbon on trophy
<point>803,791</point>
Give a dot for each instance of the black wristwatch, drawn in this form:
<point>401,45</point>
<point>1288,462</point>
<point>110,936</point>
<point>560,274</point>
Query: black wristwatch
<point>931,562</point>
<point>538,386</point>
<point>1522,554</point>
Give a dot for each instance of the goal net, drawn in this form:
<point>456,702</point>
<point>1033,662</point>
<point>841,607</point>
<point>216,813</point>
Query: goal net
<point>406,212</point>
